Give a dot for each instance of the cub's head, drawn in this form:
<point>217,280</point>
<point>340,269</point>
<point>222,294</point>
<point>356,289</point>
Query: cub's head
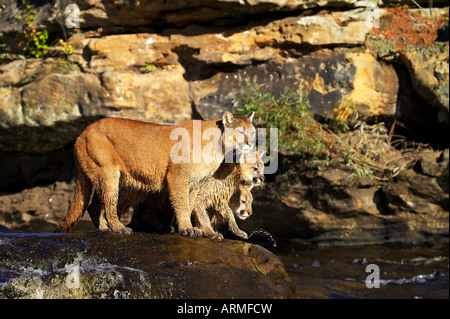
<point>239,132</point>
<point>241,202</point>
<point>252,168</point>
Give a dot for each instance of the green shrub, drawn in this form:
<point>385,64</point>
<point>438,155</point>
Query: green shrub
<point>298,132</point>
<point>366,149</point>
<point>36,41</point>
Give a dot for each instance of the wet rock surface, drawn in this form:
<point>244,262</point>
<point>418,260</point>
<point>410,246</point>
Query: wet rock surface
<point>105,265</point>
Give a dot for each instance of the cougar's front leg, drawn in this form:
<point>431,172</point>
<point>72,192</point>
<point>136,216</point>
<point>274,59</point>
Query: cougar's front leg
<point>180,197</point>
<point>205,223</point>
<point>227,214</point>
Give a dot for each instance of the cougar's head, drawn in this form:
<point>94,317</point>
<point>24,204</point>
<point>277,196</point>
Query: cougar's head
<point>252,167</point>
<point>241,203</point>
<point>239,132</point>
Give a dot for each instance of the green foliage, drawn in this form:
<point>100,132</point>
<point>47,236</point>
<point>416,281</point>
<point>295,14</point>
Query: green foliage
<point>365,148</point>
<point>67,48</point>
<point>150,66</point>
<point>298,132</point>
<point>36,41</point>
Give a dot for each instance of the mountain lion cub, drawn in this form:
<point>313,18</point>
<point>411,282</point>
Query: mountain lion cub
<point>219,188</point>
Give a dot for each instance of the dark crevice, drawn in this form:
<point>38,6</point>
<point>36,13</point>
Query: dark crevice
<point>198,70</point>
<point>416,120</point>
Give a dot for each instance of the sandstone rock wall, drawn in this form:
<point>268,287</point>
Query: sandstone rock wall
<point>176,65</point>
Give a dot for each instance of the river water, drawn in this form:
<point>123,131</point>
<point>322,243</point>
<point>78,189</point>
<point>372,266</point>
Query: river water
<point>351,272</point>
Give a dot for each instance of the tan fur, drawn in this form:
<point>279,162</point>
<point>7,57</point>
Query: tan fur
<point>241,203</point>
<point>218,190</point>
<point>115,153</point>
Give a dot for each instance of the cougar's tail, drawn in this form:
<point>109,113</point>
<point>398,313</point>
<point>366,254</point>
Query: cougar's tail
<point>80,202</point>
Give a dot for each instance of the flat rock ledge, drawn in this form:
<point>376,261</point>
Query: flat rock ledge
<point>107,265</point>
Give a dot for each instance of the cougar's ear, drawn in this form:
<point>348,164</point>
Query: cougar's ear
<point>261,152</point>
<point>227,118</point>
<point>250,115</point>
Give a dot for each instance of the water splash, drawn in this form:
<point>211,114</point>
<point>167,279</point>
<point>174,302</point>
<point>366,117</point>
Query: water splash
<point>263,232</point>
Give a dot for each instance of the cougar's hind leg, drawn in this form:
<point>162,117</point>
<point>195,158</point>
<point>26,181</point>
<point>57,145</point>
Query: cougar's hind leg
<point>97,213</point>
<point>83,191</point>
<point>109,195</point>
<point>128,198</point>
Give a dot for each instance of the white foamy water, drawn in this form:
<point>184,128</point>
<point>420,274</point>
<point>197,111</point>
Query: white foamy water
<point>83,277</point>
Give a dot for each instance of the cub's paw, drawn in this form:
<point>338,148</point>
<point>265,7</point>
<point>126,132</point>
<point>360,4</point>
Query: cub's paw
<point>191,232</point>
<point>126,231</point>
<point>213,235</point>
<point>242,234</point>
<point>217,236</point>
<point>104,228</point>
<point>197,232</point>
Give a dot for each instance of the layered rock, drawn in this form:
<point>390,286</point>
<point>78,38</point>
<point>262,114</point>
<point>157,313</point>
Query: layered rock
<point>420,39</point>
<point>156,77</point>
<point>430,73</point>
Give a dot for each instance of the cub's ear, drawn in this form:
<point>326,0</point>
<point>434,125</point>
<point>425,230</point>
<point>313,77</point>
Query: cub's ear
<point>227,118</point>
<point>261,152</point>
<point>250,115</point>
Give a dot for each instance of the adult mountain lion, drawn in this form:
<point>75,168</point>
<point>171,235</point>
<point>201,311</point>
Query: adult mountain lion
<point>216,197</point>
<point>113,153</point>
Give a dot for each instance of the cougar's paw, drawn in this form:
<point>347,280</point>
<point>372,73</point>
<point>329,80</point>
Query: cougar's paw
<point>121,230</point>
<point>191,232</point>
<point>197,232</point>
<point>105,229</point>
<point>213,235</point>
<point>242,234</point>
<point>63,227</point>
<point>126,231</point>
<point>217,236</point>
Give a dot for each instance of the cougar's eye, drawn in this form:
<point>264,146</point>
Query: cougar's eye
<point>243,202</point>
